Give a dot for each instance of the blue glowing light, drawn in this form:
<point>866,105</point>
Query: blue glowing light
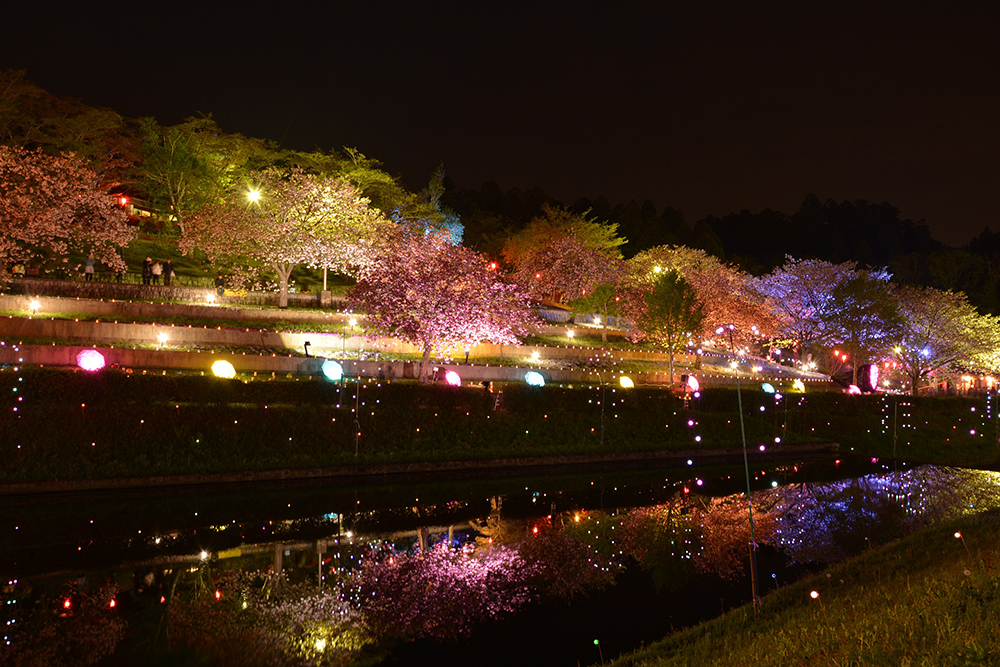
<point>333,370</point>
<point>534,378</point>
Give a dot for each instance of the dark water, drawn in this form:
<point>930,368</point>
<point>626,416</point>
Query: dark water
<point>813,512</point>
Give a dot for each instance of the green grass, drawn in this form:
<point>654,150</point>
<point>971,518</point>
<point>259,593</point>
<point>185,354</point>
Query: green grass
<point>921,601</point>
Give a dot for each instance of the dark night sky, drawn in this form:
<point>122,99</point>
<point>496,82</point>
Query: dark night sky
<point>709,107</point>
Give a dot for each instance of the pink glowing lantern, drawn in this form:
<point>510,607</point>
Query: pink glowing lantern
<point>90,360</point>
<point>854,389</point>
<point>452,378</point>
<point>693,384</point>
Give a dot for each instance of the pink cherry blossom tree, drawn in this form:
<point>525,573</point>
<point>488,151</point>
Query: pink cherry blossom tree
<point>285,219</point>
<point>54,204</point>
<point>429,292</point>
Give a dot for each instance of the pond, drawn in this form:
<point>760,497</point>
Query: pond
<point>555,569</point>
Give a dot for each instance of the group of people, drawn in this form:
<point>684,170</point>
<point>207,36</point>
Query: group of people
<point>152,271</point>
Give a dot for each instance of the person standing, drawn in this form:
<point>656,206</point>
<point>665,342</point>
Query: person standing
<point>88,269</point>
<point>168,272</point>
<point>157,272</point>
<point>147,271</point>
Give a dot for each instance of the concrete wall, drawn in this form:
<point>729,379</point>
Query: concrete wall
<point>126,291</point>
<point>252,364</point>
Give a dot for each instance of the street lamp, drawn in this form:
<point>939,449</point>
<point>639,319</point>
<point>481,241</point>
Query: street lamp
<point>746,466</point>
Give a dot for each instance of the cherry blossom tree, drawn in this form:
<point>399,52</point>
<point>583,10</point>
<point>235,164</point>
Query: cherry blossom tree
<point>54,204</point>
<point>563,256</point>
<point>726,294</point>
<point>863,316</point>
<point>800,291</point>
<point>942,331</point>
<point>424,290</point>
<point>286,219</point>
<point>442,593</point>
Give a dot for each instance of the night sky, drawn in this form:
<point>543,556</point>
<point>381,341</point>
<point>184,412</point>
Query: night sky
<point>709,107</point>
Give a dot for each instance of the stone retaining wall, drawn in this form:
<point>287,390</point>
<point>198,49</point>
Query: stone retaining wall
<point>128,291</point>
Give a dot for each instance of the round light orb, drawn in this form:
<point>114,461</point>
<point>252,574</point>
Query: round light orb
<point>333,370</point>
<point>453,378</point>
<point>767,387</point>
<point>534,378</point>
<point>799,386</point>
<point>854,389</point>
<point>223,369</point>
<point>90,360</point>
<point>693,384</point>
<point>626,382</point>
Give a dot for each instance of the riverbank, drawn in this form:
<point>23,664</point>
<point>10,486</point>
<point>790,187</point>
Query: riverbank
<point>928,599</point>
<point>115,429</point>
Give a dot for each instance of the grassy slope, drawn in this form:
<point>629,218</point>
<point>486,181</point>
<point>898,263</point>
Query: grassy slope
<point>920,601</point>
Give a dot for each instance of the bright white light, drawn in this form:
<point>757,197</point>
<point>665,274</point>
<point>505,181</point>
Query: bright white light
<point>223,369</point>
<point>34,305</point>
<point>570,333</point>
<point>626,382</point>
<point>204,555</point>
<point>534,378</point>
<point>768,388</point>
<point>210,298</point>
<point>320,645</point>
<point>453,378</point>
<point>352,322</point>
<point>253,195</point>
<point>693,383</point>
<point>162,338</point>
<point>333,370</point>
<point>535,356</point>
<point>597,320</point>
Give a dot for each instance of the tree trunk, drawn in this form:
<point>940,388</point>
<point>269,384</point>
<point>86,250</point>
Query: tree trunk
<point>424,360</point>
<point>604,331</point>
<point>284,272</point>
<point>671,368</point>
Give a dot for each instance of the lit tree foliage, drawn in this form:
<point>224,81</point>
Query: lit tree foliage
<point>429,292</point>
<point>441,593</point>
<point>562,255</point>
<point>32,118</point>
<point>942,333</point>
<point>605,300</point>
<point>299,218</point>
<point>726,294</point>
<point>565,564</point>
<point>186,166</point>
<point>800,291</point>
<point>725,535</point>
<point>863,316</point>
<point>672,314</point>
<point>50,205</point>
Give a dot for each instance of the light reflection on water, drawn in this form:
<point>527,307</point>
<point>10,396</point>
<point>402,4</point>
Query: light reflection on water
<point>383,553</point>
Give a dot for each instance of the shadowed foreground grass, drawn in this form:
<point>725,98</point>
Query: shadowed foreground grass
<point>923,600</point>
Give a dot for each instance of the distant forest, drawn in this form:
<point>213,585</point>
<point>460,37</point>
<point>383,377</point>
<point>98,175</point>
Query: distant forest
<point>871,234</point>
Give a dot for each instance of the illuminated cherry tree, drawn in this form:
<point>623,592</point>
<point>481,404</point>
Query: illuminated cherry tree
<point>429,292</point>
<point>563,256</point>
<point>726,294</point>
<point>284,220</point>
<point>442,593</point>
<point>943,333</point>
<point>54,204</point>
<point>800,292</point>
